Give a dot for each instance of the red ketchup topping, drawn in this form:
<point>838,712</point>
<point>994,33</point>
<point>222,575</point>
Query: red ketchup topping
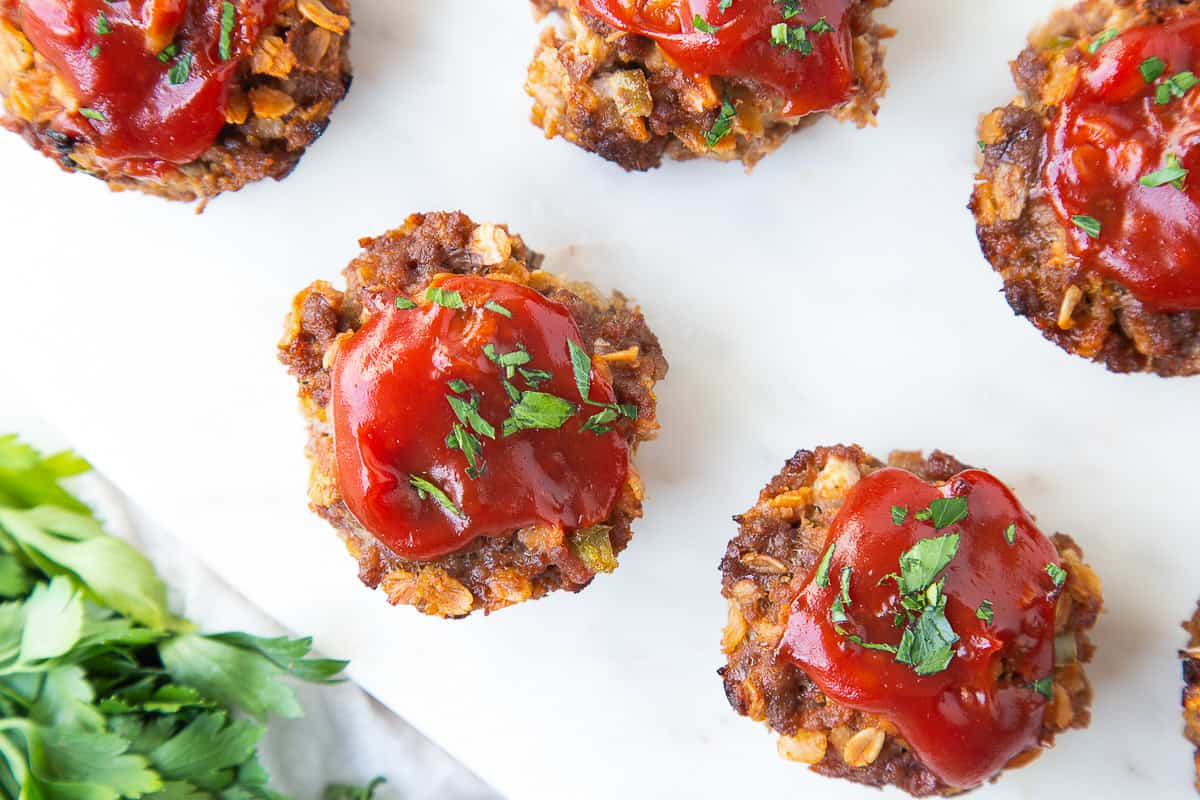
<point>967,720</point>
<point>391,418</point>
<point>1109,134</point>
<point>742,46</point>
<point>148,110</point>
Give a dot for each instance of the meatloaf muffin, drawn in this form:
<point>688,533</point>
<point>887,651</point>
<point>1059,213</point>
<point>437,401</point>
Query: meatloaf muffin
<point>633,85</point>
<point>1191,689</point>
<point>184,99</point>
<point>1083,202</point>
<point>472,419</point>
<point>826,603</point>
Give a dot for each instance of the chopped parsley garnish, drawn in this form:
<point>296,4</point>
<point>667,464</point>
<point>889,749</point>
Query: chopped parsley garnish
<point>459,386</point>
<point>92,114</point>
<point>1102,40</point>
<point>724,5</point>
<point>823,567</point>
<point>581,367</point>
<point>899,514</point>
<point>981,145</point>
<point>180,70</point>
<point>1044,687</point>
<point>984,612</point>
<point>791,8</point>
<point>927,644</point>
<point>791,37</point>
<point>1152,69</point>
<point>538,411</point>
<point>492,305</point>
<point>703,25</point>
<point>168,52</point>
<point>404,304</point>
<point>427,489</point>
<point>94,51</point>
<point>102,26</point>
<point>845,593</point>
<point>225,43</point>
<point>468,414</point>
<point>723,125</point>
<point>534,377</point>
<point>445,298</point>
<point>944,512</point>
<point>460,438</point>
<point>821,26</point>
<point>1056,573</point>
<point>1010,533</point>
<point>509,361</point>
<point>1175,86</point>
<point>1173,173</point>
<point>599,423</point>
<point>921,564</point>
<point>1089,225</point>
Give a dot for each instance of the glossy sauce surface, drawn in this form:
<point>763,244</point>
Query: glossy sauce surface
<point>391,418</point>
<point>963,722</point>
<point>1108,135</point>
<point>742,45</point>
<point>145,106</point>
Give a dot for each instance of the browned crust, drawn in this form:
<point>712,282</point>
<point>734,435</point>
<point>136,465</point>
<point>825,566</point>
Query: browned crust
<point>778,544</point>
<point>492,573</point>
<point>618,95</point>
<point>1079,310</point>
<point>1191,688</point>
<point>280,104</point>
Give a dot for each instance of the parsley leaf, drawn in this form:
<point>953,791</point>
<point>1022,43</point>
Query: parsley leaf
<point>1152,69</point>
<point>923,562</point>
<point>581,367</point>
<point>492,305</point>
<point>703,25</point>
<point>1044,687</point>
<point>1089,225</point>
<point>723,125</point>
<point>1056,573</point>
<point>444,297</point>
<point>404,304</point>
<point>427,489</point>
<point>984,612</point>
<point>1102,40</point>
<point>899,514</point>
<point>538,411</point>
<point>1010,533</point>
<point>945,511</point>
<point>1173,173</point>
<point>225,43</point>
<point>823,566</point>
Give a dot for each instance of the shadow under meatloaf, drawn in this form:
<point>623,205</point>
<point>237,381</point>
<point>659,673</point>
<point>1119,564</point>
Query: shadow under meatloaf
<point>778,544</point>
<point>492,572</point>
<point>1191,689</point>
<point>280,103</point>
<point>1081,311</point>
<point>620,96</point>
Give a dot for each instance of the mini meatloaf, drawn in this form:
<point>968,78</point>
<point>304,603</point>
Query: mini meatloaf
<point>183,99</point>
<point>1120,203</point>
<point>787,548</point>
<point>1191,689</point>
<point>495,471</point>
<point>618,93</point>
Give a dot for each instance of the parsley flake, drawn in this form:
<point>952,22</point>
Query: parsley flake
<point>225,43</point>
<point>899,514</point>
<point>1089,225</point>
<point>984,612</point>
<point>703,25</point>
<point>445,298</point>
<point>821,26</point>
<point>404,304</point>
<point>581,367</point>
<point>791,8</point>
<point>468,414</point>
<point>1010,533</point>
<point>1056,573</point>
<point>1044,687</point>
<point>1176,86</point>
<point>538,411</point>
<point>1152,69</point>
<point>102,26</point>
<point>945,511</point>
<point>492,305</point>
<point>180,70</point>
<point>1102,40</point>
<point>823,567</point>
<point>723,125</point>
<point>791,37</point>
<point>1173,173</point>
<point>427,489</point>
<point>724,5</point>
<point>92,114</point>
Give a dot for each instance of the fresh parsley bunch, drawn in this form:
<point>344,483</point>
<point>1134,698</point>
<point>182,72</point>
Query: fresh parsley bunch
<point>103,693</point>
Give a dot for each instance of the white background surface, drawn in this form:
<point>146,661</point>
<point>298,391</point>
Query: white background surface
<point>838,294</point>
